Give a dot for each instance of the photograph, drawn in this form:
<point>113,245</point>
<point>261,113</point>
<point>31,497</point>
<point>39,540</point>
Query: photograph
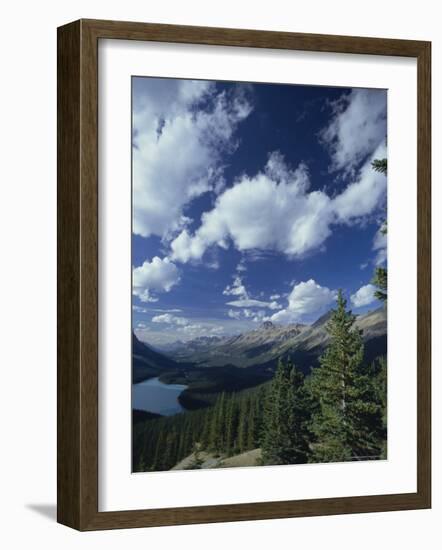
<point>221,230</point>
<point>259,274</point>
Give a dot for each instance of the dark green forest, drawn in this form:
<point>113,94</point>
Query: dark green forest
<point>335,413</point>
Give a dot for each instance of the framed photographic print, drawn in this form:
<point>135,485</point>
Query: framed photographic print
<point>231,204</point>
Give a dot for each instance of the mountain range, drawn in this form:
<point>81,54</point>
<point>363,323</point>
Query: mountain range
<point>210,365</point>
<point>264,345</point>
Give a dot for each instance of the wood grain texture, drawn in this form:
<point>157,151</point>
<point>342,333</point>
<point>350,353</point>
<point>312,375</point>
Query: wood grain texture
<point>68,276</point>
<point>424,274</point>
<point>252,38</point>
<point>78,274</point>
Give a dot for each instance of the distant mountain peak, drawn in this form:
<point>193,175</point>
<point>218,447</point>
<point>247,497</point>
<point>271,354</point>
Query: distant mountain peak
<point>267,325</point>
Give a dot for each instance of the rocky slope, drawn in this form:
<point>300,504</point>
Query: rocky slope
<point>208,460</point>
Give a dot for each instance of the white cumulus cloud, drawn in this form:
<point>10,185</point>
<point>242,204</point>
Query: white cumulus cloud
<point>275,211</point>
<point>180,130</point>
<point>244,300</point>
<point>306,301</point>
<point>357,128</point>
<point>380,247</point>
<point>363,195</point>
<point>156,276</point>
<point>237,288</point>
<point>364,296</point>
<point>271,211</point>
<point>169,319</point>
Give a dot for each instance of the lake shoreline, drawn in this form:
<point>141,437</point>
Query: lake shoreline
<point>154,396</point>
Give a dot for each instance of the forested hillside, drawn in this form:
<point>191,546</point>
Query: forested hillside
<point>233,425</point>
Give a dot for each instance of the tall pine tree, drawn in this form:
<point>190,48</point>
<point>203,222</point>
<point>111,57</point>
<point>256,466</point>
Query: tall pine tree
<point>285,437</point>
<point>346,422</point>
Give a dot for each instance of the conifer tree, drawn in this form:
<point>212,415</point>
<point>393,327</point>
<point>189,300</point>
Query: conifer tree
<point>243,426</point>
<point>230,426</point>
<point>285,437</point>
<point>380,280</point>
<point>380,275</point>
<point>251,427</point>
<point>378,378</point>
<point>221,422</point>
<point>213,428</point>
<point>158,456</point>
<point>380,165</point>
<point>347,418</point>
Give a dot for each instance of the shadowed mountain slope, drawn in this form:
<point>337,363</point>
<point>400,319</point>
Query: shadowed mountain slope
<point>148,363</point>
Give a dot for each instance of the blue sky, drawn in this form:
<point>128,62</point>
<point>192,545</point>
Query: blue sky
<point>252,202</point>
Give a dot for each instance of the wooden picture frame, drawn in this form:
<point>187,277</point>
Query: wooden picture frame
<point>78,274</point>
